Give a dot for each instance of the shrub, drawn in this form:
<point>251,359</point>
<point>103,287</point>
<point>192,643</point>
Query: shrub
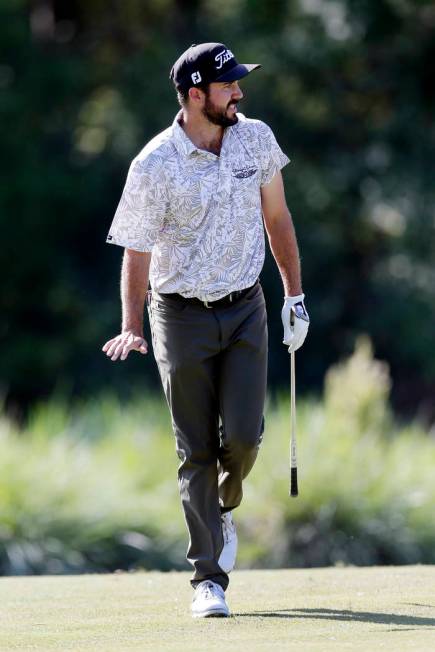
<point>93,487</point>
<point>366,485</point>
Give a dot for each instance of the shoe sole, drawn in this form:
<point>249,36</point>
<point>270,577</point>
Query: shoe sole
<point>218,613</point>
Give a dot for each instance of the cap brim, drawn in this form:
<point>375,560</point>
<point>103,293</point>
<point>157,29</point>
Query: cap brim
<point>239,71</point>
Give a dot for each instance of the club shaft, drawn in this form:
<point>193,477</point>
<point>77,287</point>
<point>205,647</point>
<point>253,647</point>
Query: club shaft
<point>293,458</point>
<point>293,453</point>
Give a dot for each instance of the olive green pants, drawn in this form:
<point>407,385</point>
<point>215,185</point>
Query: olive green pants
<point>213,367</point>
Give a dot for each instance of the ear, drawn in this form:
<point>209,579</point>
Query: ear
<point>195,95</point>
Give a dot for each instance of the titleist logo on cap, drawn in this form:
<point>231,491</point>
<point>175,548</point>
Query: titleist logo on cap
<point>223,57</point>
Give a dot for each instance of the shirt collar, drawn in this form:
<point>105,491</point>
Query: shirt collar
<point>183,143</point>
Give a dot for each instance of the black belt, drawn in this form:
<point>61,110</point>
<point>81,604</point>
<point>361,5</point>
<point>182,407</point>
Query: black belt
<point>227,300</point>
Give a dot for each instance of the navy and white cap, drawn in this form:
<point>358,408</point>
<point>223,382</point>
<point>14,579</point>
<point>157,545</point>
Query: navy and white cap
<point>206,63</point>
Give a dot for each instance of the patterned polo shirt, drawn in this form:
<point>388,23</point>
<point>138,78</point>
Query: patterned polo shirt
<point>200,214</point>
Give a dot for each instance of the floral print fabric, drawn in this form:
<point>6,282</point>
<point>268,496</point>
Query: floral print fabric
<point>200,214</point>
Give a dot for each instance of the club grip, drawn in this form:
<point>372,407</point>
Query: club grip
<point>293,481</point>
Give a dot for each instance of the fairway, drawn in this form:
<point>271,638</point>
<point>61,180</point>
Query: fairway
<point>310,609</point>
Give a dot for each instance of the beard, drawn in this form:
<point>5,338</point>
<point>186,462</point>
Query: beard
<point>218,116</point>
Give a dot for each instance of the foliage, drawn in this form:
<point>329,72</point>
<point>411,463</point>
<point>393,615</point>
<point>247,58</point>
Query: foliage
<point>347,87</point>
<point>93,488</point>
<point>85,492</point>
<point>366,483</point>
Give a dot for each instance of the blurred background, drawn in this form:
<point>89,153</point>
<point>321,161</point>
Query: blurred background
<point>87,462</point>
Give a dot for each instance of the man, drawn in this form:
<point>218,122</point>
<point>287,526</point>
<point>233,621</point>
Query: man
<point>190,219</point>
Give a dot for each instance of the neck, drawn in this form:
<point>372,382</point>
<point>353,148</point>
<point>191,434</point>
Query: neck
<point>202,133</point>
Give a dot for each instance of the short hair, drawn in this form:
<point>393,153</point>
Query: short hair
<point>183,93</point>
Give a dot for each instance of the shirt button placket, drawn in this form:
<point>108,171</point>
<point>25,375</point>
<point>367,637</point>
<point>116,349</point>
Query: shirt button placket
<point>225,180</point>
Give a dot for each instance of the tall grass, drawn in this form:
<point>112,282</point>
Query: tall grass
<point>93,487</point>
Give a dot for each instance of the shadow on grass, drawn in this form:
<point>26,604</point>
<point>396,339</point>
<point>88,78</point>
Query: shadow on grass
<point>344,615</point>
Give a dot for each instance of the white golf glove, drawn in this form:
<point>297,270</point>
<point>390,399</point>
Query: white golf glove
<point>295,321</point>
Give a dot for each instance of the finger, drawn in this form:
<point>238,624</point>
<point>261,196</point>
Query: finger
<point>113,346</point>
<point>118,349</point>
<point>107,344</point>
<point>138,344</point>
<point>132,344</point>
<point>126,350</point>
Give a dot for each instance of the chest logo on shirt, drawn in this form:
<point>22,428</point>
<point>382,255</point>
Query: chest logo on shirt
<point>244,173</point>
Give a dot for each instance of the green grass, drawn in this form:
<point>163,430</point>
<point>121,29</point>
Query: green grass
<point>316,610</point>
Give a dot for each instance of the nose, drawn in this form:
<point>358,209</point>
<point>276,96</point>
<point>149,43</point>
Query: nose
<point>237,92</point>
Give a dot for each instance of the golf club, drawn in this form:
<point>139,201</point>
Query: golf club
<point>293,458</point>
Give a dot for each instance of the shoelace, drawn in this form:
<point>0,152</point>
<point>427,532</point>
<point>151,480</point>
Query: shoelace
<point>209,590</point>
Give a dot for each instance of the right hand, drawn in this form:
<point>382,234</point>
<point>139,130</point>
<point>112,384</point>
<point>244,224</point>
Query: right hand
<point>122,344</point>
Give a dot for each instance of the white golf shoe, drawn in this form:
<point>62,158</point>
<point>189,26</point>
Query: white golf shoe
<point>209,601</point>
<point>227,557</point>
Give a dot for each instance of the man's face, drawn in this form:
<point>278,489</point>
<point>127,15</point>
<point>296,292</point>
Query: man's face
<point>220,104</point>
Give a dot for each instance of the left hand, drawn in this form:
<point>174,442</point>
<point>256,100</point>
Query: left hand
<point>295,321</point>
<point>122,344</point>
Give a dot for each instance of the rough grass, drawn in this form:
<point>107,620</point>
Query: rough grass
<point>312,609</point>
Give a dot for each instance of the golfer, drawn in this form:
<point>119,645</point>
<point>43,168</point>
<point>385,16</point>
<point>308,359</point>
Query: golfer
<point>191,222</point>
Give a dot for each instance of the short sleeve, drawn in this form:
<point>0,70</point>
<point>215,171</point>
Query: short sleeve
<point>272,157</point>
<point>141,210</point>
